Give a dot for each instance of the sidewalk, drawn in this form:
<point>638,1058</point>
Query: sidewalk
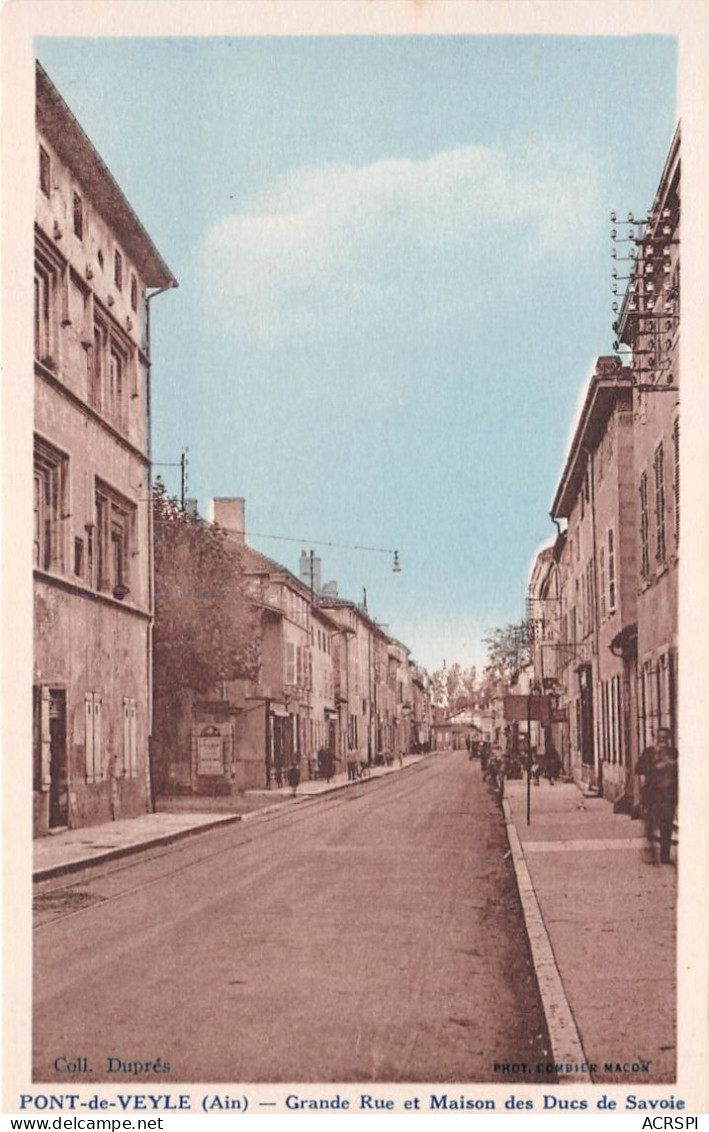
<point>175,818</point>
<point>601,924</point>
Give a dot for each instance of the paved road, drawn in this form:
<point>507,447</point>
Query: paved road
<point>370,935</point>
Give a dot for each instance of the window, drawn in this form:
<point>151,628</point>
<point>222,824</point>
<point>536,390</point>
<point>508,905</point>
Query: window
<point>611,572</point>
<point>44,287</point>
<point>290,661</point>
<point>602,573</point>
<point>49,487</point>
<point>116,370</point>
<point>118,270</point>
<point>134,292</point>
<point>79,557</point>
<point>108,363</point>
<point>659,468</point>
<point>44,171</point>
<point>130,752</point>
<point>78,210</point>
<point>94,745</point>
<point>644,528</point>
<point>114,518</point>
<point>675,478</point>
<point>95,366</point>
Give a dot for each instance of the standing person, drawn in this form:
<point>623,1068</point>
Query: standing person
<point>294,777</point>
<point>659,767</point>
<point>536,766</point>
<point>553,765</point>
<point>352,766</point>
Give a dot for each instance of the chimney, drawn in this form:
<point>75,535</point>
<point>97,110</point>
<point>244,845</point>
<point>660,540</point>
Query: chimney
<point>310,571</point>
<point>229,513</point>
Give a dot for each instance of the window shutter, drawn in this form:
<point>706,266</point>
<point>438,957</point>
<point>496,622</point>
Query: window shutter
<point>133,744</point>
<point>290,662</point>
<point>127,760</point>
<point>44,732</point>
<point>98,742</point>
<point>89,722</point>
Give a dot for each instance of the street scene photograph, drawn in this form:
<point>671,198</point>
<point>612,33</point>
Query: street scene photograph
<point>355,707</point>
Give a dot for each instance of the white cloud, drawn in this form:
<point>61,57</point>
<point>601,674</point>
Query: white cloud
<point>340,248</point>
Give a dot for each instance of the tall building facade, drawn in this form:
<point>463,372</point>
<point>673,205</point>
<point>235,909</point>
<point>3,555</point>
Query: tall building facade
<point>94,262</point>
<point>598,584</point>
<point>649,324</point>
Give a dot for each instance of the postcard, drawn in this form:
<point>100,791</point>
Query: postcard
<point>354,681</point>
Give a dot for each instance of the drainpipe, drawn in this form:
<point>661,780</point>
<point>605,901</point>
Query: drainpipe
<point>151,571</point>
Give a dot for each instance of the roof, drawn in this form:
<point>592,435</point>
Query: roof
<point>610,384</point>
<point>257,562</point>
<point>58,125</point>
<point>343,603</point>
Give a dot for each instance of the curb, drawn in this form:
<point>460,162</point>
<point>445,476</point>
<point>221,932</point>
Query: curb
<point>373,777</point>
<point>167,838</point>
<point>127,850</point>
<point>564,1037</point>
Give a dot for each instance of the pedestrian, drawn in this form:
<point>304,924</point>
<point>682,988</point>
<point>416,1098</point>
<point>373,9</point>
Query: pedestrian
<point>536,766</point>
<point>352,766</point>
<point>553,765</point>
<point>294,777</point>
<point>658,766</point>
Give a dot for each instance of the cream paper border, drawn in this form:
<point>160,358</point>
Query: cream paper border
<point>23,19</point>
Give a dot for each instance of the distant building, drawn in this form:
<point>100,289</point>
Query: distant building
<point>319,687</point>
<point>92,540</point>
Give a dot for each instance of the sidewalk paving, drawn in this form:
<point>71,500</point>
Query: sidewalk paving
<point>590,889</point>
<point>176,817</point>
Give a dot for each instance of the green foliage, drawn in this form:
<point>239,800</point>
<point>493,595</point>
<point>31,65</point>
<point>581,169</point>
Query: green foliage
<point>205,628</point>
<point>508,648</point>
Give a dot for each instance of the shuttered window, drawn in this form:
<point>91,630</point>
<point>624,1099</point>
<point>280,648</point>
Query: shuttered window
<point>659,469</point>
<point>130,754</point>
<point>94,745</point>
<point>644,528</point>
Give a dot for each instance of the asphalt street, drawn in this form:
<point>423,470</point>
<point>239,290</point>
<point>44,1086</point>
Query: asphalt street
<point>374,934</point>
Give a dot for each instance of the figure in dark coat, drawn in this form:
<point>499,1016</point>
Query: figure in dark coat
<point>294,776</point>
<point>659,767</point>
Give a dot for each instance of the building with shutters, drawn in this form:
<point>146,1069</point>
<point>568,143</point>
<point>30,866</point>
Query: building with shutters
<point>649,324</point>
<point>94,267</point>
<point>596,584</point>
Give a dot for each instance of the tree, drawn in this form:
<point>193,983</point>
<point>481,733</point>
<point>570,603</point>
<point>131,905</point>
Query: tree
<point>205,630</point>
<point>508,648</point>
<point>454,688</point>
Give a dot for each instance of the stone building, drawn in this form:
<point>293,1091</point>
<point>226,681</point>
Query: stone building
<point>356,643</point>
<point>649,323</point>
<point>598,584</point>
<point>94,262</point>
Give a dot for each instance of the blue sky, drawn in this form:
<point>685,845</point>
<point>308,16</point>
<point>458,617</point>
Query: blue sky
<point>395,274</point>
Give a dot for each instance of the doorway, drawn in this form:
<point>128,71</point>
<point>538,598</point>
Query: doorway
<point>58,769</point>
